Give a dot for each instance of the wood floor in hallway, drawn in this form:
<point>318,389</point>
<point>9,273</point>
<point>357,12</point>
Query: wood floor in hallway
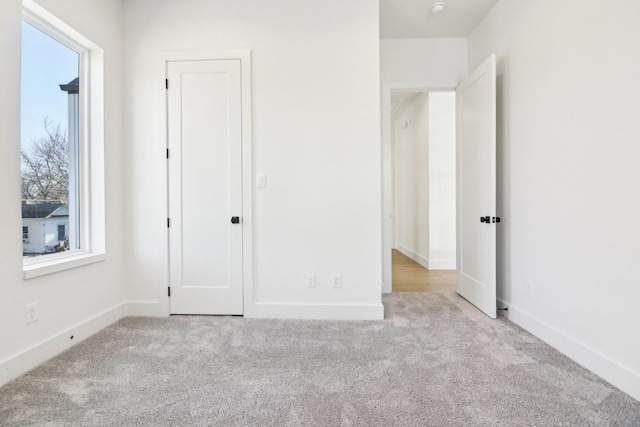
<point>409,276</point>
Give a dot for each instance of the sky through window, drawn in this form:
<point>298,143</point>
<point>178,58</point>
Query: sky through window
<point>46,64</point>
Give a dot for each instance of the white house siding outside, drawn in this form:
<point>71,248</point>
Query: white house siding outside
<point>45,228</point>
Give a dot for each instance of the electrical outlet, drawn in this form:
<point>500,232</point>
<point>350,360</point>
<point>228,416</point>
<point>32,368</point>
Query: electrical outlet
<point>337,280</point>
<point>311,281</point>
<point>31,313</point>
<point>529,287</point>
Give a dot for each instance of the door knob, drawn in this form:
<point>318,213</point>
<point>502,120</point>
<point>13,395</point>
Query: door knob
<point>235,220</point>
<point>486,219</point>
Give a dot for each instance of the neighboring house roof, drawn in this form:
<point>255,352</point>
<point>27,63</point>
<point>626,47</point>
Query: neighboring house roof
<point>72,87</point>
<point>60,212</point>
<point>44,210</point>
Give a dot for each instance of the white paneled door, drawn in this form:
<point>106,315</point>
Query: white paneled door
<point>476,166</point>
<point>205,186</point>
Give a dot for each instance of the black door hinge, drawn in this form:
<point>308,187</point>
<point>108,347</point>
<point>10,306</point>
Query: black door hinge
<point>166,83</point>
<point>168,222</point>
<point>167,153</point>
<point>169,291</point>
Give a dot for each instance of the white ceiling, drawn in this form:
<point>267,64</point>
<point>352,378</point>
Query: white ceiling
<point>405,19</point>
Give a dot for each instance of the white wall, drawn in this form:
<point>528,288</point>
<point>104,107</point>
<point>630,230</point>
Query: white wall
<point>442,62</point>
<point>442,180</point>
<point>315,136</point>
<point>568,175</point>
<point>75,302</point>
<point>411,158</point>
<point>410,64</point>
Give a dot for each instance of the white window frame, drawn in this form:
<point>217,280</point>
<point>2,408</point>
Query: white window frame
<point>91,147</point>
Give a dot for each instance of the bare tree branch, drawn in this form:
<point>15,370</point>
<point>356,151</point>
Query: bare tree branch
<point>45,166</point>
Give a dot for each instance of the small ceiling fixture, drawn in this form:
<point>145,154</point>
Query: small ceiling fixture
<point>438,7</point>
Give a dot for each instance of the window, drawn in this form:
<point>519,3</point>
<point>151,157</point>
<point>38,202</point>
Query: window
<point>62,162</point>
<point>50,144</point>
<point>25,234</point>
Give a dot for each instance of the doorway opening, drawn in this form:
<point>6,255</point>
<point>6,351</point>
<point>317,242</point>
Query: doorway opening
<point>409,276</point>
<point>421,232</point>
<point>475,207</point>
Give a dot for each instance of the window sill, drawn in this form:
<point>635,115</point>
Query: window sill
<point>67,262</point>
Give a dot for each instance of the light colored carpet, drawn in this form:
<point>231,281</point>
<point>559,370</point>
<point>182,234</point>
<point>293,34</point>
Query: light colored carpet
<point>434,361</point>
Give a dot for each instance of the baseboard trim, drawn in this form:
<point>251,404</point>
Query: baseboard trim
<point>314,311</point>
<point>146,309</point>
<point>277,311</point>
<point>620,376</point>
<point>26,360</point>
<point>414,256</point>
<point>429,264</point>
<point>442,264</point>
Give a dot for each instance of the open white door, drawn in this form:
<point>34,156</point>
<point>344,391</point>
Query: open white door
<point>205,186</point>
<point>476,182</point>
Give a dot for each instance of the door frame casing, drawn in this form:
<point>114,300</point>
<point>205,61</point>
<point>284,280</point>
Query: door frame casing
<point>387,167</point>
<point>244,56</point>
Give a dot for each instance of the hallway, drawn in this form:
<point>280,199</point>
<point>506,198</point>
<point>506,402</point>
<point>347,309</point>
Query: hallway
<point>409,276</point>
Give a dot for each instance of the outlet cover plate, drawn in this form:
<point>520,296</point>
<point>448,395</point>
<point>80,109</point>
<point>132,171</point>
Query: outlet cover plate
<point>337,280</point>
<point>529,287</point>
<point>31,314</point>
<point>310,281</point>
